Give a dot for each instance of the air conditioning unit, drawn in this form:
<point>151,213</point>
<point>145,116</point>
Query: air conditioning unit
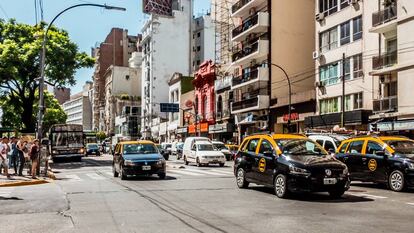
<point>320,17</point>
<point>316,55</point>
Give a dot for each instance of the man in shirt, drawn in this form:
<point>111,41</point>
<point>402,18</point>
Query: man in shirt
<point>4,149</point>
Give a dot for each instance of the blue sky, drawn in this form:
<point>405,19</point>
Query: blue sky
<point>86,25</point>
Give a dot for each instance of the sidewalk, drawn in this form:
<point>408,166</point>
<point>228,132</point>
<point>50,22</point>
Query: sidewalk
<point>21,180</point>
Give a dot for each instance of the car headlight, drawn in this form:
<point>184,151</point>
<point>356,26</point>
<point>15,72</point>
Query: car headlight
<point>298,171</point>
<point>81,150</point>
<point>410,165</point>
<point>55,152</point>
<point>128,163</point>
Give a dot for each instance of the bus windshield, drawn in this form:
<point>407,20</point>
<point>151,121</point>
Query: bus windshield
<point>67,139</point>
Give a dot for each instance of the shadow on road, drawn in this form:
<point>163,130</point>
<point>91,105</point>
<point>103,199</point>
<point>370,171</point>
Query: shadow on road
<point>377,186</point>
<point>10,198</point>
<point>316,197</point>
<point>149,178</point>
<point>67,163</point>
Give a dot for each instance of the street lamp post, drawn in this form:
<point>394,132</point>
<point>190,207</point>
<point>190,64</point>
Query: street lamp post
<point>290,93</point>
<point>43,60</point>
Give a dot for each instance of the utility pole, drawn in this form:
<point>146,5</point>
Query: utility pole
<point>343,92</point>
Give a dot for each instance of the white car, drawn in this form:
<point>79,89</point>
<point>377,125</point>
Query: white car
<point>221,147</point>
<point>188,144</point>
<point>330,142</point>
<point>204,153</point>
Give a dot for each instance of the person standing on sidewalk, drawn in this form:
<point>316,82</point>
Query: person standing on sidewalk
<point>4,149</point>
<point>21,147</point>
<point>34,157</point>
<point>14,155</point>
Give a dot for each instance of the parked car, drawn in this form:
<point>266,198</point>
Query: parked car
<point>92,149</point>
<point>204,153</point>
<point>188,144</point>
<point>387,160</point>
<point>133,158</point>
<point>289,163</point>
<point>221,147</point>
<point>330,142</point>
<point>178,150</point>
<point>166,150</point>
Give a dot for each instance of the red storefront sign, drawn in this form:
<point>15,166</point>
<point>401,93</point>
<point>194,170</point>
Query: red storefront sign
<point>203,128</point>
<point>293,117</point>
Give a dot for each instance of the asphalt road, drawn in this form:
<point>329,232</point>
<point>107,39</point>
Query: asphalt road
<point>87,198</point>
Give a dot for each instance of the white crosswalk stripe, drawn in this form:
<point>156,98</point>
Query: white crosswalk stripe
<point>201,172</point>
<point>224,172</point>
<point>368,196</point>
<point>207,172</point>
<point>73,177</point>
<point>109,173</point>
<point>6,192</point>
<point>95,176</point>
<point>185,173</point>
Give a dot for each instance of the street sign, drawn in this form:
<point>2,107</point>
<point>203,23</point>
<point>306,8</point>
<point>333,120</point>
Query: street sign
<point>169,107</point>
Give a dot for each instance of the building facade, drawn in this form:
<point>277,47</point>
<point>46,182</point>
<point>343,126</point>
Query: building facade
<point>62,94</point>
<point>202,41</point>
<point>166,45</point>
<point>116,50</point>
<point>79,107</point>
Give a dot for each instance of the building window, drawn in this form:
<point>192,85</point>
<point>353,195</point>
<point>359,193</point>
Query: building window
<point>198,34</point>
<point>205,105</point>
<point>344,4</point>
<point>198,48</point>
<point>220,107</point>
<point>330,105</point>
<point>329,39</point>
<point>348,103</point>
<point>347,68</point>
<point>345,33</point>
<point>357,66</point>
<point>328,7</point>
<point>357,28</point>
<point>198,62</point>
<point>358,101</point>
<point>328,74</point>
<point>127,77</point>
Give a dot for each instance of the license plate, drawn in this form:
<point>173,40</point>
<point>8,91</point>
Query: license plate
<point>215,161</point>
<point>329,181</point>
<point>146,168</point>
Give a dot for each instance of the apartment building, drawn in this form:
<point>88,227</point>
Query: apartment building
<point>116,50</point>
<point>344,87</point>
<point>79,107</point>
<point>166,45</point>
<point>393,66</point>
<point>202,40</point>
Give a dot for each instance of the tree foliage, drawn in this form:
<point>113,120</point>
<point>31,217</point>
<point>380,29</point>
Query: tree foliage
<point>100,135</point>
<point>20,47</point>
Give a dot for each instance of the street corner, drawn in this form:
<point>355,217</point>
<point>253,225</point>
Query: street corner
<point>22,181</point>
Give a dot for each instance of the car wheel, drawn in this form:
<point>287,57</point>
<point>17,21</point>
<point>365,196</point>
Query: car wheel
<point>337,193</point>
<point>116,174</point>
<point>396,181</point>
<point>185,160</point>
<point>241,178</point>
<point>161,176</point>
<point>122,173</point>
<point>198,163</point>
<point>221,164</point>
<point>280,186</point>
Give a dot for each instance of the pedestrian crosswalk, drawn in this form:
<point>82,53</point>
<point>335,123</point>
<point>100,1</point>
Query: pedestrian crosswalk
<point>102,175</point>
<point>5,192</point>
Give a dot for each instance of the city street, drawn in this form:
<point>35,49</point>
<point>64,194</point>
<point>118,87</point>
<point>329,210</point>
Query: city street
<point>87,198</point>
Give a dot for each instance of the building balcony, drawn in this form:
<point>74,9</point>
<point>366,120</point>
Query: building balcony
<point>255,24</point>
<point>251,104</point>
<point>224,114</point>
<point>384,20</point>
<point>258,49</point>
<point>385,61</point>
<point>242,7</point>
<point>256,74</point>
<point>386,104</point>
<point>223,83</point>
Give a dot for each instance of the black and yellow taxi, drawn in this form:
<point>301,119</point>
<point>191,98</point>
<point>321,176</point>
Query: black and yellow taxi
<point>380,159</point>
<point>133,158</point>
<point>289,163</point>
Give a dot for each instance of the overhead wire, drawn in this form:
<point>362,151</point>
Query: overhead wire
<point>4,12</point>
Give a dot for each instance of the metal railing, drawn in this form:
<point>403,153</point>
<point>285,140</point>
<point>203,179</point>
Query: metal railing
<point>246,77</point>
<point>238,5</point>
<point>387,104</point>
<point>247,50</point>
<point>384,60</point>
<point>247,103</point>
<point>384,16</point>
<point>248,23</point>
<point>222,114</point>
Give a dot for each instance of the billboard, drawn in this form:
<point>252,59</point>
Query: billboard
<point>158,7</point>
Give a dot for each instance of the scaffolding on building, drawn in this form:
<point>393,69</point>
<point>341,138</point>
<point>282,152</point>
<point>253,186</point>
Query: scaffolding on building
<point>223,23</point>
<point>158,7</point>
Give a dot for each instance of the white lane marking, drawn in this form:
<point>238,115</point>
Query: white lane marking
<point>73,177</point>
<point>410,203</point>
<point>185,172</point>
<point>95,176</point>
<point>224,172</point>
<point>207,172</point>
<point>369,196</point>
<point>6,191</point>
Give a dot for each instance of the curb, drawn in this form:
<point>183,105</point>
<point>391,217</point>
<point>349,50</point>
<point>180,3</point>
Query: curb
<point>24,183</point>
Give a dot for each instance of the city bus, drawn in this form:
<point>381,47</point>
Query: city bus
<point>89,137</point>
<point>66,141</point>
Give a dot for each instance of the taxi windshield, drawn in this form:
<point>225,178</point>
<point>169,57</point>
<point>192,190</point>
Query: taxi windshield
<point>205,147</point>
<point>401,146</point>
<point>140,149</point>
<point>302,147</point>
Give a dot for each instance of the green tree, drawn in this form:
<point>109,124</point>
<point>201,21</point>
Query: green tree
<point>20,46</point>
<point>54,113</point>
<point>100,135</point>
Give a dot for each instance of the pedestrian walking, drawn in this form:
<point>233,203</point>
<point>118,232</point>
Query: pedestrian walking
<point>21,149</point>
<point>34,157</point>
<point>4,149</point>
